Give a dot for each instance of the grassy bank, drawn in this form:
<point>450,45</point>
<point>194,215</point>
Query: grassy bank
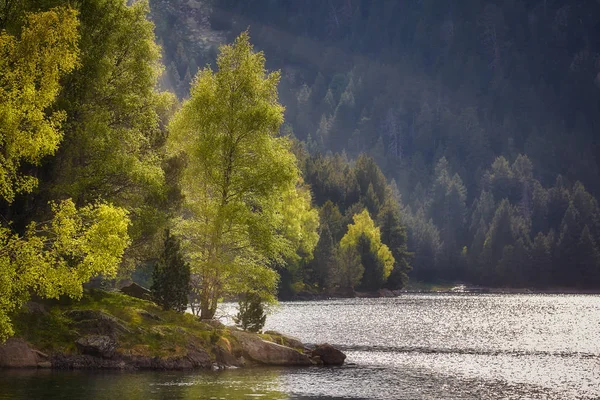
<point>144,329</point>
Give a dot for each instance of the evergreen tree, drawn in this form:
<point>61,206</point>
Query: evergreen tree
<point>587,269</point>
<point>540,270</point>
<point>373,276</point>
<point>500,233</point>
<point>393,234</point>
<point>171,277</point>
<point>251,314</point>
<point>319,268</point>
<point>567,248</point>
<point>347,271</point>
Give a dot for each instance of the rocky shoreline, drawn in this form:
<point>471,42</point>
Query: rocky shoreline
<point>142,337</point>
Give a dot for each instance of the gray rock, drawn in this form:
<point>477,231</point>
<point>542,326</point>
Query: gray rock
<point>224,357</point>
<point>149,315</point>
<point>328,354</point>
<point>135,290</point>
<point>95,322</point>
<point>199,358</point>
<point>288,341</point>
<point>44,364</point>
<point>16,353</point>
<point>97,345</point>
<point>36,308</point>
<point>268,353</point>
<point>215,323</point>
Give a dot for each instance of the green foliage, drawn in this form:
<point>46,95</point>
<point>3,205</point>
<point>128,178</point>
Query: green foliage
<point>32,66</point>
<point>393,235</point>
<point>245,206</point>
<point>376,257</point>
<point>413,84</point>
<point>373,275</point>
<point>171,277</point>
<point>56,258</point>
<point>251,314</point>
<point>115,125</point>
<point>347,270</point>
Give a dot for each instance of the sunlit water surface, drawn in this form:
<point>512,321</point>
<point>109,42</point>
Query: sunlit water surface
<point>410,347</point>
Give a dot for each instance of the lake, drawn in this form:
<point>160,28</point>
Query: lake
<point>416,346</point>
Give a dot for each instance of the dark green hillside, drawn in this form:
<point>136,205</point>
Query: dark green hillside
<point>463,104</point>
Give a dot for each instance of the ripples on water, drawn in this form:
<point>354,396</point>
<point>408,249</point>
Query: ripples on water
<point>460,346</point>
<point>410,347</point>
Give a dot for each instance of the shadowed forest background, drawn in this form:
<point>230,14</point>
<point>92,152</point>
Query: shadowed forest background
<point>483,115</point>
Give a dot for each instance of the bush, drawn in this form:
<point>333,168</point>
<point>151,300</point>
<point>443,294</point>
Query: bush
<point>251,315</point>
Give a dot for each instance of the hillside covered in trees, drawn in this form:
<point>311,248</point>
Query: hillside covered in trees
<point>482,115</point>
<point>369,144</point>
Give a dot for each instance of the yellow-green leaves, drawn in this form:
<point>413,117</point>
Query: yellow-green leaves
<point>364,225</point>
<point>55,259</point>
<point>243,208</point>
<point>300,221</point>
<point>31,67</point>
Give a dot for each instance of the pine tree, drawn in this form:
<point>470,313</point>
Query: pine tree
<point>251,314</point>
<point>373,277</point>
<point>393,234</point>
<point>171,277</point>
<point>567,249</point>
<point>320,264</point>
<point>540,270</point>
<point>587,271</point>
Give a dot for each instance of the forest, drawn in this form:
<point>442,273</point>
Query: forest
<point>359,145</point>
<point>482,116</point>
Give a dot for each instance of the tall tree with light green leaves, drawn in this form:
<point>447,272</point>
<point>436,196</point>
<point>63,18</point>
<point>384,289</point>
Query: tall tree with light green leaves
<point>244,206</point>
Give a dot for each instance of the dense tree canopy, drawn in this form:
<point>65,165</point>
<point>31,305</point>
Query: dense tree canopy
<point>244,208</point>
<point>32,66</point>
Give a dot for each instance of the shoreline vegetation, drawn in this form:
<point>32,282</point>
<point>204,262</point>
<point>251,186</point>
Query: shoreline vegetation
<point>110,330</point>
<point>441,288</point>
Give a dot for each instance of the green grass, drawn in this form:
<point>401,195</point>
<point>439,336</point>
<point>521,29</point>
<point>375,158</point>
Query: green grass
<point>169,336</point>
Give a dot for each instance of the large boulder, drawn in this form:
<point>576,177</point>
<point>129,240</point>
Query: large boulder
<point>328,354</point>
<point>263,352</point>
<point>95,322</point>
<point>97,345</point>
<point>15,353</point>
<point>285,340</point>
<point>135,290</point>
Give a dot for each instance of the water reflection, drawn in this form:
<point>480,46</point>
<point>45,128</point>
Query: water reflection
<point>262,383</point>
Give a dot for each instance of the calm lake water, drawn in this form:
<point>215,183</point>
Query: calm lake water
<point>409,347</point>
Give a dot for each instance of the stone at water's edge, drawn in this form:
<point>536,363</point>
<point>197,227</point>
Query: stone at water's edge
<point>16,353</point>
<point>286,340</point>
<point>262,352</point>
<point>97,345</point>
<point>328,354</point>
